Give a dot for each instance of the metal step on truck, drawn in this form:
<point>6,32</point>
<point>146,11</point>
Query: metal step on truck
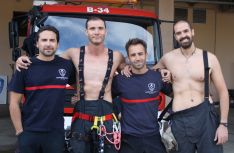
<point>69,17</point>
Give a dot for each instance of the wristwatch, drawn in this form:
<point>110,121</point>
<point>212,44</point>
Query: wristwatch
<point>224,124</point>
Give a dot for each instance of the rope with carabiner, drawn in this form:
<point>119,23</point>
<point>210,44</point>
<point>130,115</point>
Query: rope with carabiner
<point>116,134</point>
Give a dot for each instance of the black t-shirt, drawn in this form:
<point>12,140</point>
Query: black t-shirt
<point>138,96</point>
<point>43,86</point>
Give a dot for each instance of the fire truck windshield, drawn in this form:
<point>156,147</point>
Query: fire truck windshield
<point>72,34</point>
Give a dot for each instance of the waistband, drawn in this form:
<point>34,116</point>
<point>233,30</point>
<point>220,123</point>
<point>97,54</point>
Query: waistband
<point>91,118</point>
<point>94,107</point>
<point>190,111</point>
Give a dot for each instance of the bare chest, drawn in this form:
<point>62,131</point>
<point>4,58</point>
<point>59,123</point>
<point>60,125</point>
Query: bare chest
<point>189,69</point>
<point>95,68</point>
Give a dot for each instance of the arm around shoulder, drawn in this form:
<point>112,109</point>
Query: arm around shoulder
<point>22,62</point>
<point>160,64</point>
<point>120,60</point>
<point>68,54</point>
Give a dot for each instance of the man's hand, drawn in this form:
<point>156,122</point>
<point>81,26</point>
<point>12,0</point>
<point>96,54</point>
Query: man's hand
<point>126,71</point>
<point>74,99</point>
<point>22,63</point>
<point>18,132</point>
<point>221,135</point>
<point>166,75</point>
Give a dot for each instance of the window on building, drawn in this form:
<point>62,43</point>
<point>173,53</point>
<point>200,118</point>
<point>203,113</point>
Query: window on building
<point>199,15</point>
<point>181,14</point>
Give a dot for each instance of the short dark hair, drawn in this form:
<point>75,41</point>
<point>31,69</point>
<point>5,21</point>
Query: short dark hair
<point>135,41</point>
<point>94,18</point>
<point>47,28</point>
<point>185,21</point>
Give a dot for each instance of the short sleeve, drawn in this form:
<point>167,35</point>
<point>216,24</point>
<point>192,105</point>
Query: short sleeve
<point>17,83</point>
<point>72,76</point>
<point>114,88</point>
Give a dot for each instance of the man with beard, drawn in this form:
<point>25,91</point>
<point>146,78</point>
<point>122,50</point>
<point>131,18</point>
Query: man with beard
<point>195,124</point>
<point>39,123</point>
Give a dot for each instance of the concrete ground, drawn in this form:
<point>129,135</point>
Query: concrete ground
<point>8,139</point>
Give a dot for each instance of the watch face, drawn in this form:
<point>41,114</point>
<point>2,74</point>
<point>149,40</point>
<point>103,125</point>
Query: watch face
<point>1,85</point>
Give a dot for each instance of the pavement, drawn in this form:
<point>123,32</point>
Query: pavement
<point>8,138</point>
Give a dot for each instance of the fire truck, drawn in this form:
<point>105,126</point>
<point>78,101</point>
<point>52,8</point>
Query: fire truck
<point>69,18</point>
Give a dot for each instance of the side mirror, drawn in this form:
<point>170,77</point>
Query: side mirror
<point>13,34</point>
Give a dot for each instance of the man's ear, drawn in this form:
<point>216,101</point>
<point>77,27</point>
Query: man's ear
<point>193,33</point>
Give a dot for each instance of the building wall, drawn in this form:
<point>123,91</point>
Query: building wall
<point>166,12</point>
<point>6,12</point>
<point>225,45</point>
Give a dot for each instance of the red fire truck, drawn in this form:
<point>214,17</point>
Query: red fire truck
<point>69,18</point>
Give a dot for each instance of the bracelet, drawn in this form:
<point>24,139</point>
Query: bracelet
<point>224,124</point>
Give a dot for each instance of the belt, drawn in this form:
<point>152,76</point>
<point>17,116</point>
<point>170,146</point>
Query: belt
<point>91,118</point>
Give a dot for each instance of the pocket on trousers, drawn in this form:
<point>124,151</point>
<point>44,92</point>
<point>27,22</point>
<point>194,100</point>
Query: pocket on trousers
<point>77,145</point>
<point>214,117</point>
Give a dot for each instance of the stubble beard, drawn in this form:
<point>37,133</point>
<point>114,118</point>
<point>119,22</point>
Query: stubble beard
<point>46,54</point>
<point>186,45</point>
<point>138,66</point>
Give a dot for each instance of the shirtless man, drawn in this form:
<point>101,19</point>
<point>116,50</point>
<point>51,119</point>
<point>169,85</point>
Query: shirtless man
<point>195,124</point>
<point>94,87</point>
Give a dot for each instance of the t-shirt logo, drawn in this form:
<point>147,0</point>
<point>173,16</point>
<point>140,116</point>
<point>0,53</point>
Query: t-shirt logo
<point>62,72</point>
<point>151,88</point>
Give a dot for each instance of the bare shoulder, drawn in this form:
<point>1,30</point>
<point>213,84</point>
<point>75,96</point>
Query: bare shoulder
<point>73,50</point>
<point>213,60</point>
<point>170,55</point>
<point>117,55</point>
<point>72,53</point>
<point>211,56</point>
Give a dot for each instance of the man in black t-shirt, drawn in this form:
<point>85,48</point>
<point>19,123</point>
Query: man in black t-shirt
<point>39,123</point>
<point>139,96</point>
